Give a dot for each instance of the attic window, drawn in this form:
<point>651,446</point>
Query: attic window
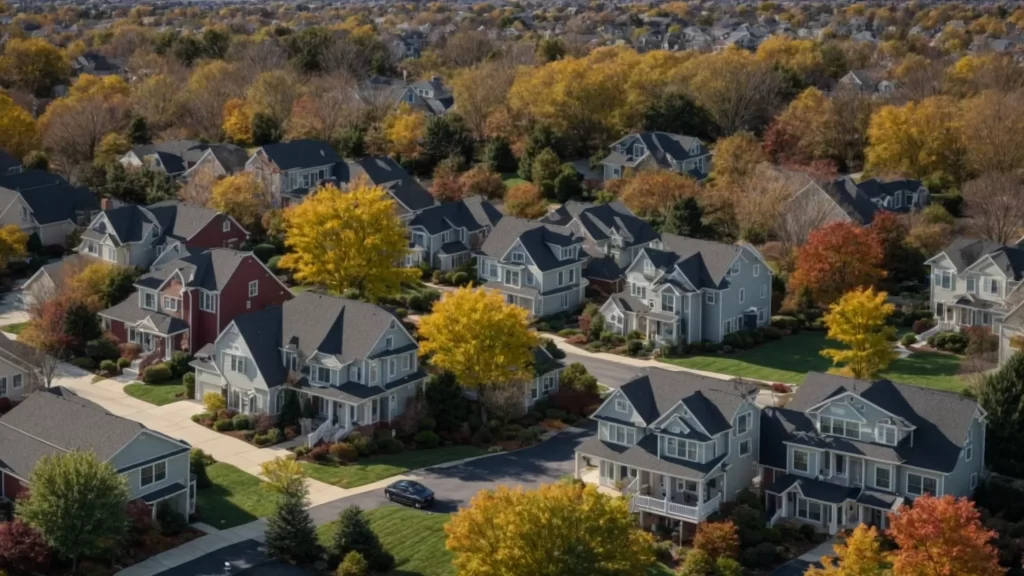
<point>648,267</point>
<point>518,257</point>
<point>886,434</point>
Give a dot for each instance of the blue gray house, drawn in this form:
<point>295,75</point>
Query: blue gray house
<point>654,150</point>
<point>845,452</point>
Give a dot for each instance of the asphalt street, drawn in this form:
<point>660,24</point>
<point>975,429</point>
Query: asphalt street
<point>242,559</point>
<point>611,374</point>
<point>454,486</point>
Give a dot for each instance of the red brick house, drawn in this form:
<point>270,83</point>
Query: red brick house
<point>184,303</point>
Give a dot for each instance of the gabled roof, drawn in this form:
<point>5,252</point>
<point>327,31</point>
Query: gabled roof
<point>940,419</point>
<point>600,221</point>
<point>964,252</point>
<point>312,323</point>
<point>385,172</point>
<point>299,154</point>
<point>535,238</point>
<point>29,431</point>
<point>181,220</point>
<point>30,179</point>
<point>663,147</point>
<point>472,213</point>
<point>232,158</point>
<point>7,162</point>
<point>175,155</point>
<point>852,201</point>
<point>127,222</point>
<point>654,392</point>
<point>210,269</point>
<point>50,197</point>
<point>129,312</point>
<point>705,263</point>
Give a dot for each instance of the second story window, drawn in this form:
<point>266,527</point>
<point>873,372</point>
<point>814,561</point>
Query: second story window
<point>207,301</point>
<point>638,290</point>
<point>801,460</point>
<point>944,279</point>
<point>743,295</point>
<point>839,427</point>
<point>709,297</point>
<point>254,288</point>
<point>972,285</point>
<point>919,485</point>
<point>743,423</point>
<point>149,300</point>
<point>668,302</point>
<point>392,367</point>
<point>226,227</point>
<point>320,374</point>
<point>886,434</point>
<point>170,304</point>
<point>518,257</point>
<point>685,449</point>
<point>735,269</point>
<point>512,277</point>
<point>389,343</point>
<point>648,268</point>
<point>357,374</point>
<point>883,477</point>
<point>621,406</point>
<point>625,435</point>
<point>993,286</point>
<point>234,363</point>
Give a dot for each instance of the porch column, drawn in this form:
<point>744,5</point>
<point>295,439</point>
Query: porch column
<point>330,411</point>
<point>576,475</point>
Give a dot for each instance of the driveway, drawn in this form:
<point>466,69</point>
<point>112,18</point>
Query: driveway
<point>242,559</point>
<point>455,485</point>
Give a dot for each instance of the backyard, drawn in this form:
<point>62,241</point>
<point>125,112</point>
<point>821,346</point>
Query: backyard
<point>791,357</point>
<point>157,394</point>
<point>369,470</point>
<point>234,499</point>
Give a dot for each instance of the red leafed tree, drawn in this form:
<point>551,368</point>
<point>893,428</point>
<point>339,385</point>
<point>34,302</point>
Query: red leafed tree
<point>717,539</point>
<point>836,258</point>
<point>23,548</point>
<point>942,537</point>
<point>900,262</point>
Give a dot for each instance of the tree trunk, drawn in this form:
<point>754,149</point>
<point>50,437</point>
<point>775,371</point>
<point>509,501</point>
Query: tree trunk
<point>481,397</point>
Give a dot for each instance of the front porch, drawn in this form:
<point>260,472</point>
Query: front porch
<point>964,312</point>
<point>335,417</point>
<point>674,497</point>
<point>828,507</point>
<point>661,328</point>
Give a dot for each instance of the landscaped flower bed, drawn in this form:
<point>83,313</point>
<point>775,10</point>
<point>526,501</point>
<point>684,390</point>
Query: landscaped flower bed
<point>256,429</point>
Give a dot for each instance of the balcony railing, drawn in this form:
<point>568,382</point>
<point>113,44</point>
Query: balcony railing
<point>669,508</point>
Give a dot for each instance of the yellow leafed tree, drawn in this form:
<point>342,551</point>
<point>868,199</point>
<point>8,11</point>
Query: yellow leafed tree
<point>860,555</point>
<point>33,64</point>
<point>242,196</point>
<point>13,244</point>
<point>918,140</point>
<point>348,240</point>
<point>857,320</point>
<point>653,192</point>
<point>238,121</point>
<point>483,341</point>
<point>404,130</point>
<point>18,132</point>
<point>557,529</point>
<point>283,475</point>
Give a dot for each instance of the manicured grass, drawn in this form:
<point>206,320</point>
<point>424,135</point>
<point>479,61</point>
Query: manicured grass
<point>14,328</point>
<point>234,499</point>
<point>791,357</point>
<point>158,394</point>
<point>415,538</point>
<point>512,180</point>
<point>369,470</point>
<point>417,541</point>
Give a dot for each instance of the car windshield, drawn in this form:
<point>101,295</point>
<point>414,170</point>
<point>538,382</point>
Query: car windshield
<point>416,487</point>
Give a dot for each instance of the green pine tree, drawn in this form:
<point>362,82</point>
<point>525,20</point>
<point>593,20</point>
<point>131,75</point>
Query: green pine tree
<point>291,410</point>
<point>355,535</point>
<point>1001,394</point>
<point>291,535</point>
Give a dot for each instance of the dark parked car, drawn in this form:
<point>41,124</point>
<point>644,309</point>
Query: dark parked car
<point>411,493</point>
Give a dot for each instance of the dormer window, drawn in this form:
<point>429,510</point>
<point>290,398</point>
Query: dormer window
<point>170,304</point>
<point>648,268</point>
<point>357,373</point>
<point>886,434</point>
<point>638,150</point>
<point>320,374</point>
<point>621,406</point>
<point>149,300</point>
<point>566,253</point>
<point>518,257</point>
<point>839,427</point>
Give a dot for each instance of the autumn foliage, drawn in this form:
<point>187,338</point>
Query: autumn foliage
<point>717,539</point>
<point>857,321</point>
<point>837,258</point>
<point>942,537</point>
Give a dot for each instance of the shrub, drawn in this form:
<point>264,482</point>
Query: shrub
<point>402,313</point>
<point>199,461</point>
<point>262,423</point>
<point>806,532</point>
<point>460,279</point>
<point>156,374</point>
<point>427,423</point>
<point>302,450</point>
<point>511,432</point>
<point>179,363</point>
<point>483,436</point>
<point>319,453</point>
<point>771,333</point>
<point>712,347</point>
<point>213,401</point>
<point>576,377</point>
<point>554,414</point>
<point>980,340</point>
<point>123,363</point>
<point>189,380</point>
<point>390,445</point>
<point>781,388</point>
<point>101,349</point>
<point>697,563</point>
<point>353,565</point>
<point>23,548</point>
<point>130,350</point>
<point>415,301</point>
<point>108,366</point>
<point>566,332</point>
<point>365,446</point>
<point>663,551</point>
<point>531,434</point>
<point>241,422</point>
<point>224,425</point>
<point>260,439</point>
<point>274,264</point>
<point>427,439</point>
<point>275,435</point>
<point>291,432</point>
<point>717,539</point>
<point>734,339</point>
<point>576,339</point>
<point>922,325</point>
<point>633,347</point>
<point>949,342</point>
<point>84,362</point>
<point>264,252</point>
<point>785,322</point>
<point>908,339</point>
<point>761,556</point>
<point>343,452</point>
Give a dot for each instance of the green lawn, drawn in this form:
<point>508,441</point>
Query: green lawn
<point>790,358</point>
<point>512,180</point>
<point>158,394</point>
<point>234,499</point>
<point>417,541</point>
<point>415,538</point>
<point>14,328</point>
<point>369,470</point>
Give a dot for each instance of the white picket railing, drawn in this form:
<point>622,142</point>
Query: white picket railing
<point>633,486</point>
<point>666,506</point>
<point>319,434</point>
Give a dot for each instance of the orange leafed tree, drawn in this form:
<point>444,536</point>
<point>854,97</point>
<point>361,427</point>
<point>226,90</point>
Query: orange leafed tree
<point>717,539</point>
<point>942,537</point>
<point>837,258</point>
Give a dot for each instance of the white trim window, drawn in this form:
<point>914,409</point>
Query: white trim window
<point>234,362</point>
<point>170,303</point>
<point>149,300</point>
<point>406,361</point>
<point>254,288</point>
<point>919,485</point>
<point>735,269</point>
<point>356,373</point>
<point>616,434</point>
<point>518,257</point>
<point>685,449</point>
<point>743,295</point>
<point>883,477</point>
<point>207,301</point>
<point>709,297</point>
<point>16,381</point>
<point>743,422</point>
<point>808,509</point>
<point>764,291</point>
<point>226,226</point>
<point>156,472</point>
<point>886,434</point>
<point>320,373</point>
<point>745,447</point>
<point>621,405</point>
<point>801,461</point>
<point>648,267</point>
<point>547,384</point>
<point>839,427</point>
<point>993,286</point>
<point>668,302</point>
<point>757,269</point>
<point>392,367</point>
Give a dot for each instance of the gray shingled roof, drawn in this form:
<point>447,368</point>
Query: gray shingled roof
<point>210,269</point>
<point>472,213</point>
<point>964,252</point>
<point>599,220</point>
<point>59,202</point>
<point>129,311</point>
<point>181,220</point>
<point>712,401</point>
<point>28,432</point>
<point>30,179</point>
<point>705,263</point>
<point>664,148</point>
<point>299,154</point>
<point>535,237</point>
<point>644,455</point>
<point>941,419</point>
<point>385,172</point>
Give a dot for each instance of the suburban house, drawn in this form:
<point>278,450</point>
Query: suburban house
<point>613,237</point>
<point>96,64</point>
<point>45,282</point>
<point>677,443</point>
<point>444,236</point>
<point>354,362</point>
<point>547,374</point>
<point>972,279</point>
<point>45,204</point>
<point>218,160</point>
<point>681,289</point>
<point>428,96</point>
<point>156,466</point>
<point>535,265</point>
<point>18,371</point>
<point>133,235</point>
<point>185,303</point>
<point>845,452</point>
<point>171,157</point>
<point>643,150</point>
<point>290,170</point>
<point>1011,330</point>
<point>868,82</point>
<point>409,195</point>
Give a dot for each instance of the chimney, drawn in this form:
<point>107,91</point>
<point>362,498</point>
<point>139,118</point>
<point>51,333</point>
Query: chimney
<point>436,79</point>
<point>106,203</point>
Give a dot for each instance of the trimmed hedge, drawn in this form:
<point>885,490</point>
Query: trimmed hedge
<point>157,373</point>
<point>427,439</point>
<point>109,366</point>
<point>264,252</point>
<point>84,362</point>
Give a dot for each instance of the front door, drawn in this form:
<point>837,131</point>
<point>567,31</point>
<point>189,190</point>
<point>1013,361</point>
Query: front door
<point>147,341</point>
<point>839,515</point>
<point>750,320</point>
